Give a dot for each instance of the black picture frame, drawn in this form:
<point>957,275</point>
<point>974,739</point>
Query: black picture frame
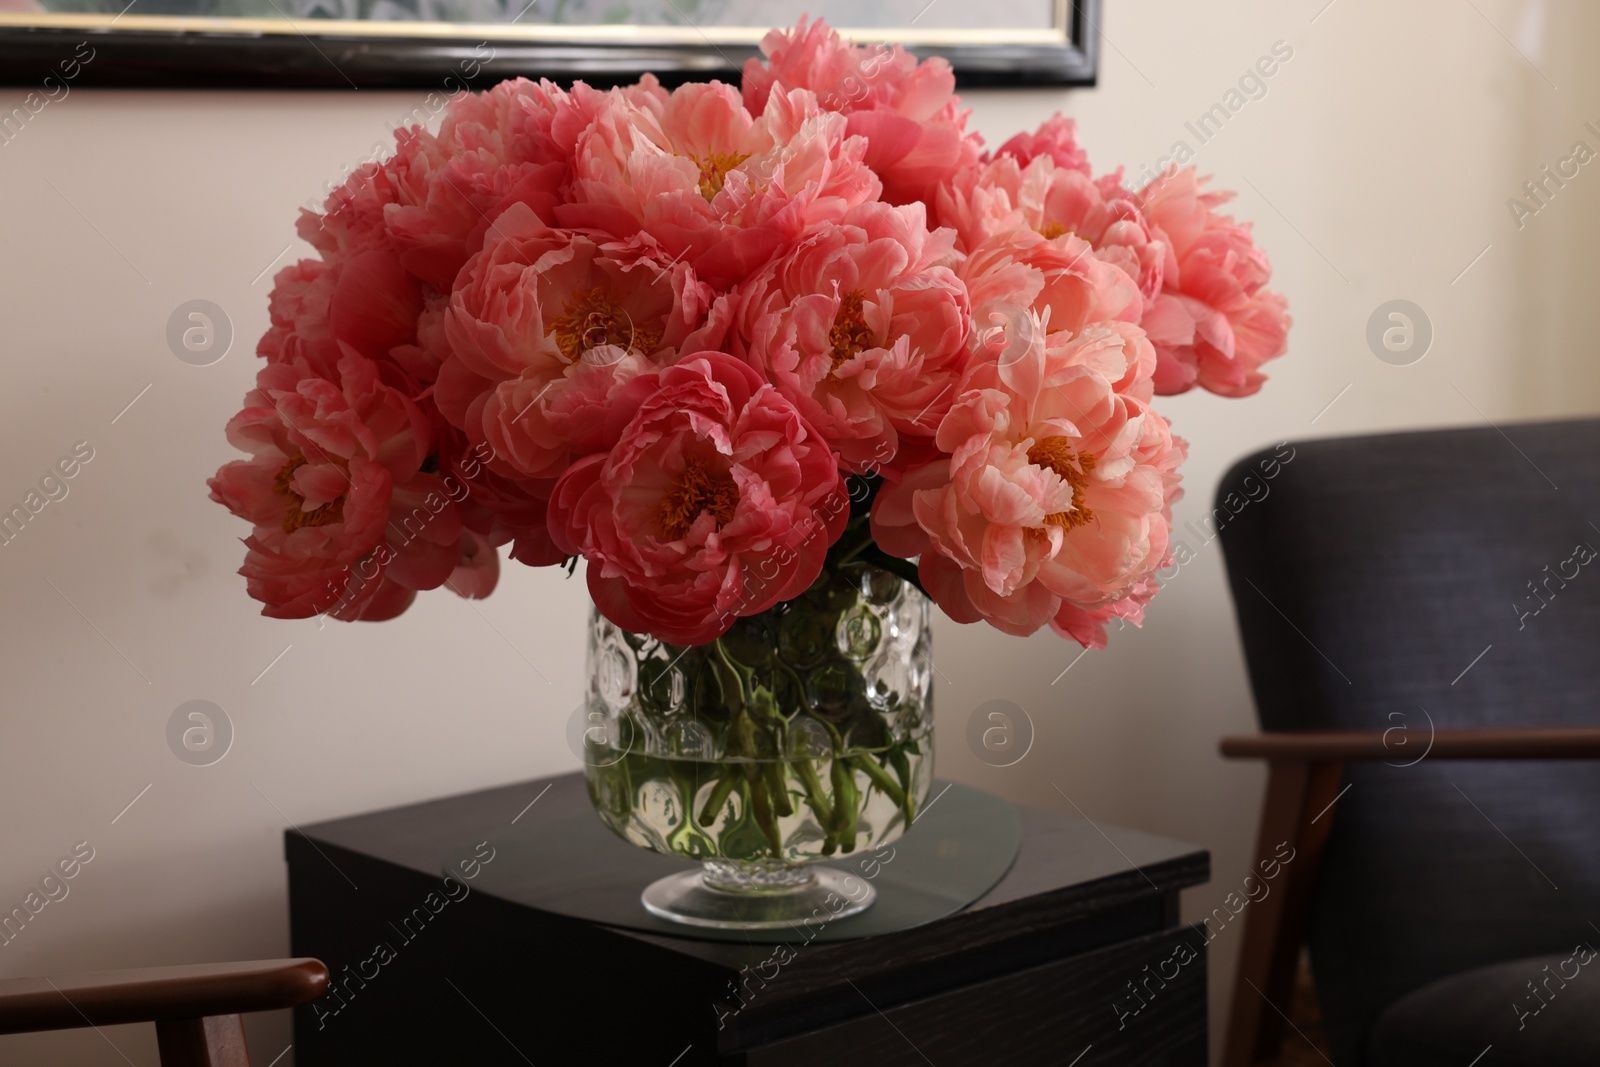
<point>169,52</point>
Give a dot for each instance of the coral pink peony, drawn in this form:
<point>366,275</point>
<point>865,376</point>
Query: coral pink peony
<point>493,150</point>
<point>543,327</point>
<point>335,491</point>
<point>698,177</point>
<point>864,327</point>
<point>499,509</point>
<point>430,203</point>
<point>907,111</point>
<point>718,500</point>
<point>299,331</point>
<point>1055,488</point>
<point>477,569</point>
<point>1056,139</point>
<point>1059,278</point>
<point>1215,323</point>
<point>1002,195</point>
<point>1087,626</point>
<point>657,329</point>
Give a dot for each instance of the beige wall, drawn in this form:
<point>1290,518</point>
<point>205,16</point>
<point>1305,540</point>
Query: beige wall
<point>1389,143</point>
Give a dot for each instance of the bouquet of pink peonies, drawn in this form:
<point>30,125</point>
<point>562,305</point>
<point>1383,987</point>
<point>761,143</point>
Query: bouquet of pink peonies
<point>715,341</point>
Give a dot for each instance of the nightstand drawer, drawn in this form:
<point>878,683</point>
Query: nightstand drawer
<point>1137,1004</point>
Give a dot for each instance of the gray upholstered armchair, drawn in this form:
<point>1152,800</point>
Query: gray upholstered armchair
<point>1421,617</point>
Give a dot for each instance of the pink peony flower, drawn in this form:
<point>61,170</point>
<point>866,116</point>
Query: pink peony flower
<point>336,495</point>
<point>352,216</point>
<point>697,177</point>
<point>477,569</point>
<point>543,327</point>
<point>500,510</point>
<point>907,111</point>
<point>717,500</point>
<point>991,198</point>
<point>299,331</point>
<point>1055,487</point>
<point>656,329</point>
<point>1087,626</point>
<point>864,327</point>
<point>1215,322</point>
<point>1056,140</point>
<point>430,203</point>
<point>421,359</point>
<point>493,150</point>
<point>363,304</point>
<point>1059,278</point>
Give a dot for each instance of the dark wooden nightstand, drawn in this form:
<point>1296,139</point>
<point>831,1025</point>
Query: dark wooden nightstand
<point>1076,958</point>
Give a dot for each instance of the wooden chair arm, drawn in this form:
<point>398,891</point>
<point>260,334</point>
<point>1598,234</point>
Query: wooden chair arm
<point>1303,789</point>
<point>1406,744</point>
<point>151,994</point>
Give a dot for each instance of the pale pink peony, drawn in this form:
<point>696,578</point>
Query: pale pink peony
<point>697,177</point>
<point>908,111</point>
<point>991,198</point>
<point>1055,488</point>
<point>1056,139</point>
<point>1215,322</point>
<point>864,327</point>
<point>1059,278</point>
<point>335,491</point>
<point>718,500</point>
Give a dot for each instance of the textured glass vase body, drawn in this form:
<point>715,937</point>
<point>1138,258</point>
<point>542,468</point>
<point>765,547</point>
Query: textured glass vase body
<point>804,732</point>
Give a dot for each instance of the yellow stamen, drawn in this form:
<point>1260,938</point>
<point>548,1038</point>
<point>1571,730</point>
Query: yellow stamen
<point>714,168</point>
<point>850,334</point>
<point>1051,230</point>
<point>591,318</point>
<point>698,490</point>
<point>1055,454</point>
<point>294,518</point>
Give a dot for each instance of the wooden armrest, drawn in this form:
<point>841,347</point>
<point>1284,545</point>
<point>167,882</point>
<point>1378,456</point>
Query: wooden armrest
<point>1303,789</point>
<point>1407,744</point>
<point>150,994</point>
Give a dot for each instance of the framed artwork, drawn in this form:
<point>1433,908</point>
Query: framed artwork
<point>455,44</point>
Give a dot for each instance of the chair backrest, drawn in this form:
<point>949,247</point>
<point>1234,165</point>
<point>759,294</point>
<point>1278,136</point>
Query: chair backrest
<point>1450,577</point>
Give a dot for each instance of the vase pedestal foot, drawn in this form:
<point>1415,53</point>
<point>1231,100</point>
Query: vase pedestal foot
<point>819,897</point>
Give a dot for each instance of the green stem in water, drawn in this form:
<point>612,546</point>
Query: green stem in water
<point>880,778</point>
<point>846,801</point>
<point>625,791</point>
<point>761,808</point>
<point>743,730</point>
<point>719,796</point>
<point>902,768</point>
<point>807,773</point>
<point>742,677</point>
<point>777,789</point>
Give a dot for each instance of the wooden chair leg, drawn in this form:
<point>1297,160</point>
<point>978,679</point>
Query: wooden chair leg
<point>1297,812</point>
<point>214,1041</point>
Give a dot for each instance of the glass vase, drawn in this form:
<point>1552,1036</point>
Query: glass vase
<point>803,733</point>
